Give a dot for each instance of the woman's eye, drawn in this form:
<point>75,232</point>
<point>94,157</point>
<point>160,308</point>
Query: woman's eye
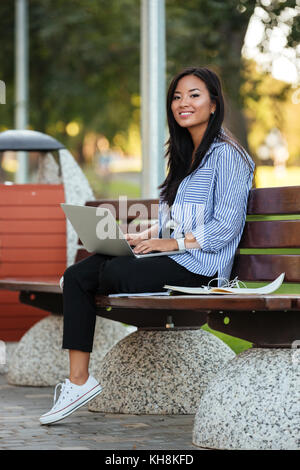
<point>175,97</point>
<point>195,95</point>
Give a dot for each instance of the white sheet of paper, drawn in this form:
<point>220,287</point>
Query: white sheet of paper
<point>142,294</point>
<point>268,289</point>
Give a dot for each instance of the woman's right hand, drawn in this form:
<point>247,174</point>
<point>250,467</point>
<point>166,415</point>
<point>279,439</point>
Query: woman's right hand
<point>135,238</point>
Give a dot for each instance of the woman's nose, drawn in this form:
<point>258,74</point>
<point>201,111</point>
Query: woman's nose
<point>184,101</point>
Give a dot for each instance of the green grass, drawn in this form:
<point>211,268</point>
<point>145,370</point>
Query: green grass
<point>111,188</point>
<point>236,344</point>
<point>122,188</point>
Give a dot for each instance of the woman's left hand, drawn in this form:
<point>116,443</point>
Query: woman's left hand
<point>156,244</point>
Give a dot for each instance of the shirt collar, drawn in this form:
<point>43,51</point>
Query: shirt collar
<point>217,141</point>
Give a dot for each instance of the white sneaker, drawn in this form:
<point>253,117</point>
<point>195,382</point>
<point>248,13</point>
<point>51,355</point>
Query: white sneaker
<point>71,398</point>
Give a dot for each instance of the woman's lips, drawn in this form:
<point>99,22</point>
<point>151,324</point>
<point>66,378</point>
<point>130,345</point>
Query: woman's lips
<point>185,114</point>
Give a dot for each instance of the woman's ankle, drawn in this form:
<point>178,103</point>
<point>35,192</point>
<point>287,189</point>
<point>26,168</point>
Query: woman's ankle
<point>79,366</point>
<point>78,379</point>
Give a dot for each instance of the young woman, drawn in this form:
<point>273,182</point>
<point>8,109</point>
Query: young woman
<point>202,208</point>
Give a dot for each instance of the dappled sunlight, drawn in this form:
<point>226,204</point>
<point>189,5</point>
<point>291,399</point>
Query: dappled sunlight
<point>268,176</point>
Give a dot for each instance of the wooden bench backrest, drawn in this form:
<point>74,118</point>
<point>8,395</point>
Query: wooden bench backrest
<point>270,234</point>
<point>258,234</point>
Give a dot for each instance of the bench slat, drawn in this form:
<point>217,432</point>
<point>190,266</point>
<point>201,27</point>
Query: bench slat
<point>32,284</point>
<point>31,240</point>
<point>49,269</point>
<point>18,213</point>
<point>271,234</point>
<point>31,194</point>
<point>266,267</point>
<point>132,208</point>
<point>278,200</point>
<point>21,255</point>
<point>202,302</point>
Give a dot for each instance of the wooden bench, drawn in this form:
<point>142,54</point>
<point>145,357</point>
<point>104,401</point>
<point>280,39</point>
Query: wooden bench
<point>155,311</point>
<point>271,322</point>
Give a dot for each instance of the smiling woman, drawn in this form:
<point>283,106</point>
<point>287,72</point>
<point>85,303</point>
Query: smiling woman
<point>203,200</point>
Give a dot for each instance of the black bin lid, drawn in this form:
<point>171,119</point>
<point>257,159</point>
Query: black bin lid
<point>28,140</point>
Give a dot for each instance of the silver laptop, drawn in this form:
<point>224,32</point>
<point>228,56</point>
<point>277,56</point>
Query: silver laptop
<point>100,233</point>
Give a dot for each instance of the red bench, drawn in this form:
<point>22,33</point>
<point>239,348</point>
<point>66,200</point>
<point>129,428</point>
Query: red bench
<point>32,243</point>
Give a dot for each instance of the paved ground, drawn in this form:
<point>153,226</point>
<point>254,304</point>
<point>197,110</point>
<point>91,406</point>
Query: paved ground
<point>20,408</point>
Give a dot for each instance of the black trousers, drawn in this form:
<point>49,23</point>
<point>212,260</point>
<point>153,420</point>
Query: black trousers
<point>110,275</point>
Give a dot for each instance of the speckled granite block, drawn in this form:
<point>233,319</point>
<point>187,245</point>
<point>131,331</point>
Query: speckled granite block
<point>252,403</point>
<point>39,359</point>
<point>159,371</point>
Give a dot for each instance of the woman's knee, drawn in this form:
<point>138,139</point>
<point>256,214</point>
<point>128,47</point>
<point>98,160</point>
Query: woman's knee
<point>69,275</point>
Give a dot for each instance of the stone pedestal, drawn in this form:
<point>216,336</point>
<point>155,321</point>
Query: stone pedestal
<point>39,359</point>
<point>253,402</point>
<point>159,371</point>
<point>7,352</point>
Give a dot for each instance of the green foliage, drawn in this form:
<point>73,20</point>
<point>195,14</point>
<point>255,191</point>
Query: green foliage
<point>89,71</point>
<point>84,63</point>
<point>236,344</point>
<point>85,57</point>
<point>208,32</point>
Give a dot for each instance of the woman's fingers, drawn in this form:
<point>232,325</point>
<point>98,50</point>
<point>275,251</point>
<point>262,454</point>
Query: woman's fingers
<point>145,247</point>
<point>132,240</point>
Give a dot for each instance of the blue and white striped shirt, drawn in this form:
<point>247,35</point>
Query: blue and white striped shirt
<point>211,203</point>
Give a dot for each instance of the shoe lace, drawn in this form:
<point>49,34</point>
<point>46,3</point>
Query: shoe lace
<point>228,283</point>
<point>62,385</point>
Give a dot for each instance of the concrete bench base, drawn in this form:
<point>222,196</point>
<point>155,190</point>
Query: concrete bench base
<point>10,348</point>
<point>252,403</point>
<point>159,371</point>
<point>39,360</point>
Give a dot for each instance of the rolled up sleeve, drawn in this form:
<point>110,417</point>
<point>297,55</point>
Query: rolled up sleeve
<point>233,182</point>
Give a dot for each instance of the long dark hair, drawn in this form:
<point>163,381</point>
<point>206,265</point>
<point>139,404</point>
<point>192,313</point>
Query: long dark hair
<point>180,145</point>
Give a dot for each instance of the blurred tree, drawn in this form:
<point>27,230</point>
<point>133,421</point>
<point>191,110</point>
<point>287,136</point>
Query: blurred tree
<point>88,55</point>
<point>84,65</point>
<point>212,32</point>
<point>85,58</point>
<point>269,104</point>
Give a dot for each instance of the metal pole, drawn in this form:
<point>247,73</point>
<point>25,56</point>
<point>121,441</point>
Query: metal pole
<point>153,125</point>
<point>21,77</point>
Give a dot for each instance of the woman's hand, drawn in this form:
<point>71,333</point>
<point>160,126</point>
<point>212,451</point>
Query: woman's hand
<point>155,244</point>
<point>135,238</point>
